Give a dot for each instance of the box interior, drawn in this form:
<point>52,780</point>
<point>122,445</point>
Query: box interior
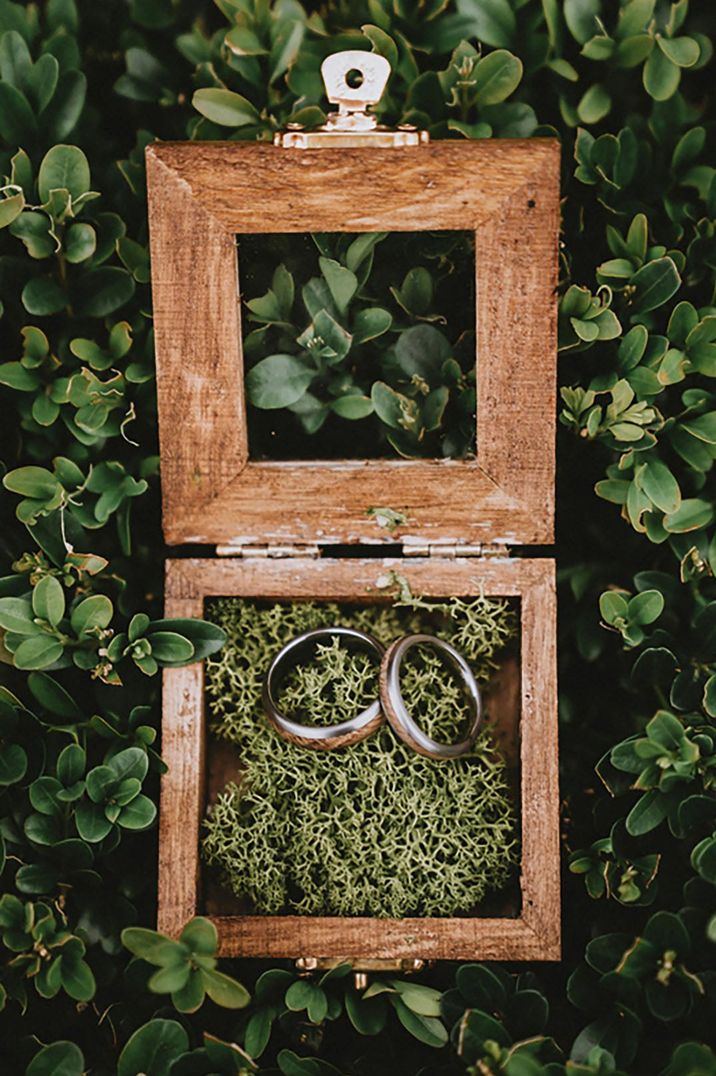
<point>501,699</point>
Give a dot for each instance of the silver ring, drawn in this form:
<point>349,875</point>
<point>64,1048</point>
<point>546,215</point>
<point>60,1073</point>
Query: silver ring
<point>396,711</point>
<point>320,737</point>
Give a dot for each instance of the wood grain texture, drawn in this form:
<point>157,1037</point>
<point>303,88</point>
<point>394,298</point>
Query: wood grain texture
<point>181,795</point>
<point>202,195</point>
<point>535,933</point>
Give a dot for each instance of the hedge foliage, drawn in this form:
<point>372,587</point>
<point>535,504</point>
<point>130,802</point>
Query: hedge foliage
<point>627,88</point>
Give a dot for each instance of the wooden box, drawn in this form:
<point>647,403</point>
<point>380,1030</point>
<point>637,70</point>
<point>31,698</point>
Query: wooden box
<point>271,527</point>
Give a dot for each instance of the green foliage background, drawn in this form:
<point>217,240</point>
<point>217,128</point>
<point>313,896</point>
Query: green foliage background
<point>627,89</point>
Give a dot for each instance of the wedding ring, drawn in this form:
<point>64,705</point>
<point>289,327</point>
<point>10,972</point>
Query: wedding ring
<point>320,737</point>
<point>396,711</point>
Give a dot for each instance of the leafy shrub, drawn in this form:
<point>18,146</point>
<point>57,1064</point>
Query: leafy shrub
<point>356,359</point>
<point>627,87</point>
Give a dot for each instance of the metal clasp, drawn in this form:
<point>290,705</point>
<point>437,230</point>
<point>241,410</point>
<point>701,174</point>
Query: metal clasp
<point>370,72</point>
<point>355,81</point>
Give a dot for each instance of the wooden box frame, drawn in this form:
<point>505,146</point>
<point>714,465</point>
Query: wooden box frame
<point>535,933</point>
<point>201,195</point>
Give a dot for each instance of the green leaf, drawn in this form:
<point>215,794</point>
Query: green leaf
<point>647,813</point>
<point>64,110</point>
<point>383,44</point>
<point>137,815</point>
<point>337,342</point>
<point>43,795</point>
<point>15,59</point>
<point>646,607</point>
<point>13,764</point>
<point>660,486</point>
<point>16,376</point>
<point>10,207</point>
<point>682,51</point>
<point>171,647</point>
<point>342,282</point>
<point>17,120</point>
<point>427,1029</point>
<point>594,105</point>
<point>100,292</point>
<point>63,168</point>
<point>38,652</point>
<point>299,995</point>
<point>91,615</point>
<point>71,763</point>
<point>361,248</point>
<point>224,990</point>
<point>422,350</point>
<point>369,324</point>
<point>224,107</point>
<point>206,638</point>
<point>581,17</point>
<point>612,605</point>
<point>150,945</point>
<point>416,291</point>
<point>33,229</point>
<point>258,1031</point>
<point>78,980</point>
<point>367,1015</point>
<point>387,404</point>
<point>278,381</point>
<point>131,762</point>
<point>80,242</point>
<point>169,979</point>
<point>16,615</point>
<point>496,76</point>
<point>353,407</point>
<point>692,515</point>
<point>48,600</point>
<point>709,696</point>
<point>661,76</point>
<point>60,1058</point>
<point>53,697</point>
<point>152,1048</point>
<point>703,428</point>
<point>191,996</point>
<point>424,1000</point>
<point>200,936</point>
<point>490,21</point>
<point>43,296</point>
<point>655,283</point>
<point>92,825</point>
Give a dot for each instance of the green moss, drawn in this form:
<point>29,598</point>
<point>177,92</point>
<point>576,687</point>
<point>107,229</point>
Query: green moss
<point>374,829</point>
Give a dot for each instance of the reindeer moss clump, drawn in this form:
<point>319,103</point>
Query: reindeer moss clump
<point>374,829</point>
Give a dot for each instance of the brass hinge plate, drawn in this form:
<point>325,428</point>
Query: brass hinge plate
<point>404,966</point>
<point>269,552</point>
<point>355,81</point>
<point>377,138</point>
<point>454,549</point>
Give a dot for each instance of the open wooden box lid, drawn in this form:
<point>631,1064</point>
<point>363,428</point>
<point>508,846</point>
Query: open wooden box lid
<point>202,195</point>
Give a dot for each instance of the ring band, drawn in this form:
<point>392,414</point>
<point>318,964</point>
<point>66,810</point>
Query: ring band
<point>396,711</point>
<point>320,737</point>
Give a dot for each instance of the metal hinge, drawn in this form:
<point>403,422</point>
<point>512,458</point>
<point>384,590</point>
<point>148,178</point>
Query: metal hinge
<point>269,551</point>
<point>305,965</point>
<point>455,549</point>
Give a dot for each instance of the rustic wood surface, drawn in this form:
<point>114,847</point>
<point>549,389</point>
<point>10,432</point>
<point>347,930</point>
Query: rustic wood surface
<point>535,933</point>
<point>201,195</point>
